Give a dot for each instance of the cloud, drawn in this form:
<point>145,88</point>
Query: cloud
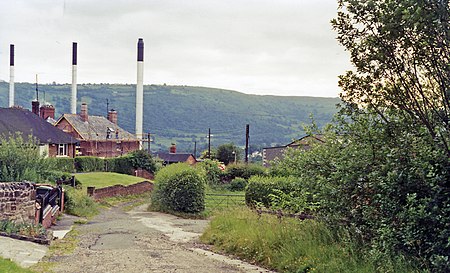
<point>281,47</point>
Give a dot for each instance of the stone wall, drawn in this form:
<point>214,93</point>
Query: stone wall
<point>117,190</point>
<point>17,202</point>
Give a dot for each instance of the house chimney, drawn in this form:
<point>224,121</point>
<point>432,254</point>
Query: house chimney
<point>173,148</point>
<point>11,75</point>
<point>112,116</point>
<point>73,101</point>
<point>84,112</point>
<point>35,107</point>
<point>140,88</point>
<point>47,111</point>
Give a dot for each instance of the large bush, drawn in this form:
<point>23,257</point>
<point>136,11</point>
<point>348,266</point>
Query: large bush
<point>179,187</point>
<point>21,159</point>
<point>212,171</point>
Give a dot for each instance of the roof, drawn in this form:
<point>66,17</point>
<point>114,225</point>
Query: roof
<point>96,127</point>
<point>13,120</point>
<point>174,158</point>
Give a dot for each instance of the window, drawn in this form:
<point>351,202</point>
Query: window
<point>62,150</point>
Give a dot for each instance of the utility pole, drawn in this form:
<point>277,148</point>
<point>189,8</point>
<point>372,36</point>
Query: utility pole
<point>149,140</point>
<point>37,92</point>
<point>107,106</point>
<point>195,149</point>
<point>209,143</point>
<point>247,136</point>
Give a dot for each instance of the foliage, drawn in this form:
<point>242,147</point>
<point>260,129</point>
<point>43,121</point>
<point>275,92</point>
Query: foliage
<point>179,187</point>
<point>106,179</point>
<point>54,176</point>
<point>77,203</point>
<point>24,229</point>
<point>228,153</point>
<point>141,159</point>
<point>400,52</point>
<point>89,164</point>
<point>278,192</point>
<point>212,171</point>
<point>21,160</point>
<point>63,164</point>
<point>237,184</point>
<point>290,245</point>
<point>242,170</point>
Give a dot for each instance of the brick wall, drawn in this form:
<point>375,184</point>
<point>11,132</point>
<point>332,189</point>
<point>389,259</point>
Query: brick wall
<point>144,174</point>
<point>117,190</point>
<point>17,202</point>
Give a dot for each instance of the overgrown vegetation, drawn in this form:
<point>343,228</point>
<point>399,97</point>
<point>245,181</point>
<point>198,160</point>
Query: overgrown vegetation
<point>78,203</point>
<point>24,229</point>
<point>179,187</point>
<point>291,245</point>
<point>21,160</point>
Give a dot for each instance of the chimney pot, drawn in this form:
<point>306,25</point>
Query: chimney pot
<point>112,116</point>
<point>84,112</point>
<point>47,111</point>
<point>35,107</point>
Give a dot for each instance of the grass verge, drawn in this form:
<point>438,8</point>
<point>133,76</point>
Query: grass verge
<point>106,179</point>
<point>288,245</point>
<point>9,266</point>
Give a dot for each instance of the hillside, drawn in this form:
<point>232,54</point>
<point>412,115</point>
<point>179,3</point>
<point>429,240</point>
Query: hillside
<point>183,114</point>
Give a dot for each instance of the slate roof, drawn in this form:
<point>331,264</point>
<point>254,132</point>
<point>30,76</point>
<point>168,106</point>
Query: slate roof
<point>14,120</point>
<point>174,158</point>
<point>96,127</point>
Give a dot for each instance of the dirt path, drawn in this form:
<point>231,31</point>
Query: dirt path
<point>140,241</point>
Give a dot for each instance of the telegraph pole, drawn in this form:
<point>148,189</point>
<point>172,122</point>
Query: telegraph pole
<point>149,140</point>
<point>195,149</point>
<point>209,143</point>
<point>247,136</point>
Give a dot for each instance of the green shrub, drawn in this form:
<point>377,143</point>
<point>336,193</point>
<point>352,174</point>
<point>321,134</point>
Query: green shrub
<point>21,160</point>
<point>53,176</point>
<point>63,164</point>
<point>179,187</point>
<point>76,202</point>
<point>89,164</point>
<point>212,171</point>
<point>262,189</point>
<point>141,159</point>
<point>242,170</point>
<point>237,184</point>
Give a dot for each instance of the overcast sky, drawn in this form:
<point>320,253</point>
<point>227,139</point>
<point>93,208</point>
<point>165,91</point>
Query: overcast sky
<point>278,47</point>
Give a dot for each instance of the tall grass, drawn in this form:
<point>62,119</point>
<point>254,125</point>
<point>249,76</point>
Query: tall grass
<point>288,245</point>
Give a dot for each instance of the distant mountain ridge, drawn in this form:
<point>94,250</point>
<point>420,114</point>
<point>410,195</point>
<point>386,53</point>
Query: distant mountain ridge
<point>183,114</point>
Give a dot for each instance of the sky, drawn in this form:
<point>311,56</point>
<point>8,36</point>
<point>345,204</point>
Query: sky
<point>266,47</point>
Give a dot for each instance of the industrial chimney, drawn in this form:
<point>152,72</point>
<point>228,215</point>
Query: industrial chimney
<point>11,75</point>
<point>73,102</point>
<point>140,88</point>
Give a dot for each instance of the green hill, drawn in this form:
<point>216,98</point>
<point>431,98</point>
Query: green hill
<point>183,114</point>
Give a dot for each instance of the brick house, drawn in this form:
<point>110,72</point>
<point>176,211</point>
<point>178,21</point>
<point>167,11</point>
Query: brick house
<point>52,141</point>
<point>174,157</point>
<point>272,153</point>
<point>97,135</point>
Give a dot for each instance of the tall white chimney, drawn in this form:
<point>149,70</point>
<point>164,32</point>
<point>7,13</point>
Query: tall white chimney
<point>140,88</point>
<point>73,101</point>
<point>11,75</point>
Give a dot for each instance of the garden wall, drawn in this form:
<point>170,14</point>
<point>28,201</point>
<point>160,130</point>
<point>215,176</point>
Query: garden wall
<point>17,202</point>
<point>117,190</point>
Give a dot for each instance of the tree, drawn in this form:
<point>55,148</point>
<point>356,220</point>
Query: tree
<point>227,153</point>
<point>401,53</point>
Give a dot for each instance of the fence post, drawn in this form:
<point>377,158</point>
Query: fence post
<point>90,191</point>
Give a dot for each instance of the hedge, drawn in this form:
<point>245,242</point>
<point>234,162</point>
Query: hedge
<point>89,164</point>
<point>63,164</point>
<point>260,189</point>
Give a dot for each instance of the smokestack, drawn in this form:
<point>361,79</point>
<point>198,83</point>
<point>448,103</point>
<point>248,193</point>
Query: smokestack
<point>140,88</point>
<point>11,75</point>
<point>84,112</point>
<point>73,102</point>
